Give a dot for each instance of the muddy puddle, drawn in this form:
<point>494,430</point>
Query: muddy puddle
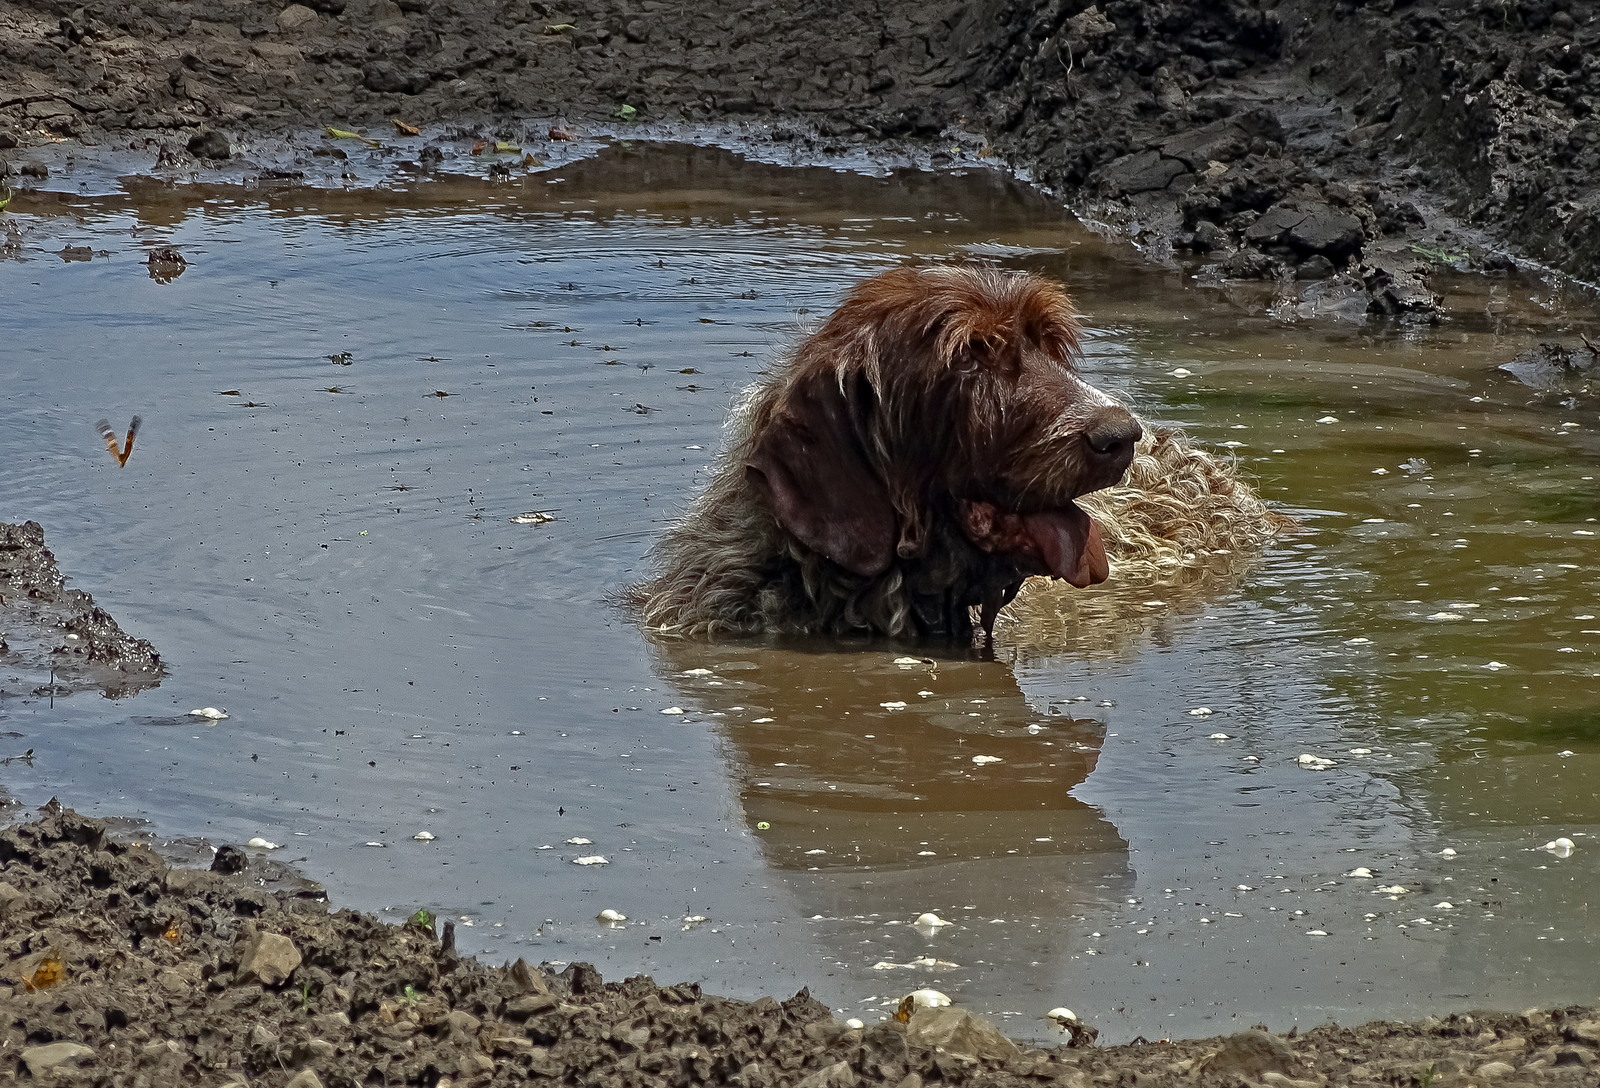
<point>400,445</point>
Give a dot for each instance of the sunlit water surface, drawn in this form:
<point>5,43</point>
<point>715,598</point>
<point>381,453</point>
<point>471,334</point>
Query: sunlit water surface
<point>326,548</point>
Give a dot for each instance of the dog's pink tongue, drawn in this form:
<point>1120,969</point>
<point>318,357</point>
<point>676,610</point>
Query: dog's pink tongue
<point>1069,541</point>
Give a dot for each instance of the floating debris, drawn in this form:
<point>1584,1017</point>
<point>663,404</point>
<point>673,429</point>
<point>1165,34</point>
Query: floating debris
<point>1361,751</point>
<point>931,920</point>
<point>895,704</point>
<point>1496,666</point>
<point>262,844</point>
<point>609,915</point>
<point>1446,616</point>
<point>980,760</point>
<point>1358,641</point>
<point>693,920</point>
<point>423,836</point>
<point>534,517</point>
<point>1444,906</point>
<point>1180,372</point>
<point>1219,736</point>
<point>673,710</point>
<point>1360,872</point>
<point>913,662</point>
<point>211,712</point>
<point>1393,890</point>
<point>579,840</point>
<point>592,859</point>
<point>376,843</point>
<point>1316,932</point>
<point>698,672</point>
<point>1328,419</point>
<point>1201,712</point>
<point>1448,852</point>
<point>1313,763</point>
<point>927,962</point>
<point>1561,848</point>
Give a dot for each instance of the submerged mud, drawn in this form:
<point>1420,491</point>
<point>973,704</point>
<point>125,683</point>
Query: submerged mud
<point>47,628</point>
<point>116,969</point>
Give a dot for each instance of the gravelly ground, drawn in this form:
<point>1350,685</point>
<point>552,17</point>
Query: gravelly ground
<point>118,970</point>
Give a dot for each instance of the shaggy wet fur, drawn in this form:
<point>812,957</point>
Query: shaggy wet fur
<point>915,460</point>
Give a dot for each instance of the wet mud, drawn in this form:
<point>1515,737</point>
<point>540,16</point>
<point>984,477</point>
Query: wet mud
<point>56,640</point>
<point>1348,148</point>
<point>116,969</point>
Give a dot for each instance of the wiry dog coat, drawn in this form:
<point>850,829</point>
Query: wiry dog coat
<point>916,458</point>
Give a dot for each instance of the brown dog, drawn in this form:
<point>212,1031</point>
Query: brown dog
<point>917,457</point>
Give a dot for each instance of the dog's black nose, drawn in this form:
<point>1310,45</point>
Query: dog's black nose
<point>1110,435</point>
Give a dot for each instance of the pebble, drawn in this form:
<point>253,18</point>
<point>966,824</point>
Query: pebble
<point>38,1059</point>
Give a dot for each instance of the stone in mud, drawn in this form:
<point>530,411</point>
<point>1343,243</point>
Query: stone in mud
<point>1550,365</point>
<point>1310,230</point>
<point>8,897</point>
<point>837,1075</point>
<point>1398,291</point>
<point>1250,1054</point>
<point>209,145</point>
<point>268,958</point>
<point>957,1032</point>
<point>42,1059</point>
<point>295,16</point>
<point>386,78</point>
<point>1143,172</point>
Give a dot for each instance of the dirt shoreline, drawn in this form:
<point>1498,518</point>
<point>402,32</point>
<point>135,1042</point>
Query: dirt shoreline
<point>116,969</point>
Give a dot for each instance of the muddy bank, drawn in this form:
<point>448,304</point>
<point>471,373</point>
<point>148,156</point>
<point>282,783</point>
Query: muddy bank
<point>49,630</point>
<point>117,969</point>
<point>1341,150</point>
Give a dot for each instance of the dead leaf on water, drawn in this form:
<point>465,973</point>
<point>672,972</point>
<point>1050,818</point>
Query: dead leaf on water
<point>405,129</point>
<point>227,392</point>
<point>501,147</point>
<point>441,393</point>
<point>534,517</point>
<point>6,201</point>
<point>529,160</point>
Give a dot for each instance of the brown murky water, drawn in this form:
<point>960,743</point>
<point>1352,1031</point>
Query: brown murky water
<point>324,545</point>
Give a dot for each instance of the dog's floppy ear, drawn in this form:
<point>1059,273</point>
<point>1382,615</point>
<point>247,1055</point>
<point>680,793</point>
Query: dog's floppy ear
<point>812,467</point>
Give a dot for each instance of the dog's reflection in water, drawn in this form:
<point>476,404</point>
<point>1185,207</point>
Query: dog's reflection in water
<point>876,760</point>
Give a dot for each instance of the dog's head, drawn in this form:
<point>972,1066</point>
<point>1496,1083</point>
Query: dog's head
<point>938,409</point>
